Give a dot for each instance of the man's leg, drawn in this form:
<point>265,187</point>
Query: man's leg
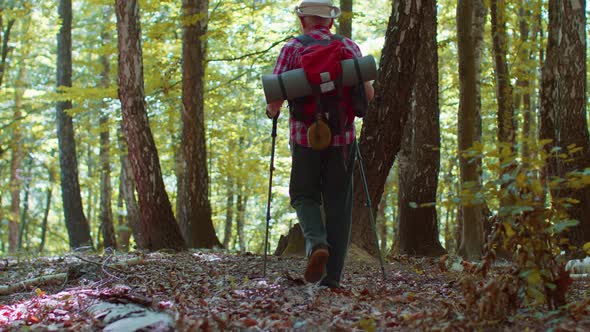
<point>337,196</point>
<point>305,193</point>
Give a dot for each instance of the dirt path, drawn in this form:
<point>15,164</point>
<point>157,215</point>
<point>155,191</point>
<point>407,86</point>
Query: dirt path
<point>219,291</point>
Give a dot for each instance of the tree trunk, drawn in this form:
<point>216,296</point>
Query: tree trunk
<point>345,20</point>
<point>505,116</point>
<point>472,230</point>
<point>419,157</point>
<point>106,211</point>
<point>382,129</point>
<point>128,193</point>
<point>158,226</point>
<point>563,107</point>
<point>197,218</point>
<point>76,223</point>
<point>229,214</point>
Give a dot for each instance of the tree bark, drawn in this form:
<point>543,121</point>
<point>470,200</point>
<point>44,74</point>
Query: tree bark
<point>158,226</point>
<point>472,227</point>
<point>197,212</point>
<point>419,157</point>
<point>106,211</point>
<point>382,129</point>
<point>563,107</point>
<point>345,20</point>
<point>76,223</point>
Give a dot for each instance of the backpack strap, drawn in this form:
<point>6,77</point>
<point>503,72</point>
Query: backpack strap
<point>307,40</point>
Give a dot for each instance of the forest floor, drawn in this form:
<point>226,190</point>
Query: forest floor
<point>215,290</point>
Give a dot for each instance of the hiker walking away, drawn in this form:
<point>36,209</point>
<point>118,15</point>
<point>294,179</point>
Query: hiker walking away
<point>320,178</point>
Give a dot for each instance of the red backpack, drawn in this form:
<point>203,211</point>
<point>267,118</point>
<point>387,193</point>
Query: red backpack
<point>320,60</point>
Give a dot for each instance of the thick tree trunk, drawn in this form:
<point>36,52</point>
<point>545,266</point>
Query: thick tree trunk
<point>563,107</point>
<point>128,193</point>
<point>229,212</point>
<point>419,157</point>
<point>345,20</point>
<point>382,129</point>
<point>106,211</point>
<point>472,226</point>
<point>505,116</point>
<point>158,226</point>
<point>76,223</point>
<point>197,212</point>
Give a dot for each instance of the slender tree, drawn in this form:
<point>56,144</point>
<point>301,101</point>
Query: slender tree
<point>563,107</point>
<point>76,223</point>
<point>419,157</point>
<point>197,224</point>
<point>106,211</point>
<point>16,162</point>
<point>380,139</point>
<point>229,214</point>
<point>472,225</point>
<point>504,97</point>
<point>4,38</point>
<point>158,226</point>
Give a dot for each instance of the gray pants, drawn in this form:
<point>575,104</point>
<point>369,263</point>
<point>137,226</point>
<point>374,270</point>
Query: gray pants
<point>324,179</point>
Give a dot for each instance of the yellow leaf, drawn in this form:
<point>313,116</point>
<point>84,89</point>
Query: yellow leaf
<point>39,292</point>
<point>586,247</point>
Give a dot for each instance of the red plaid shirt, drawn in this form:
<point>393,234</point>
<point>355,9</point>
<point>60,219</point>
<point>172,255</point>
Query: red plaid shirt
<point>289,59</point>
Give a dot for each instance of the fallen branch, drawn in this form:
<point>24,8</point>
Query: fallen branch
<point>27,284</point>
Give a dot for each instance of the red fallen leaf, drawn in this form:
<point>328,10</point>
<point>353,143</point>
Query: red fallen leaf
<point>33,319</point>
<point>67,323</point>
<point>249,322</point>
<point>365,292</point>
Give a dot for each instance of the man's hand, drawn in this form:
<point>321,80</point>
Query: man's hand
<point>274,109</point>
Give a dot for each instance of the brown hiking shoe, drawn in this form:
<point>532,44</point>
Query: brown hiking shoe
<point>316,264</point>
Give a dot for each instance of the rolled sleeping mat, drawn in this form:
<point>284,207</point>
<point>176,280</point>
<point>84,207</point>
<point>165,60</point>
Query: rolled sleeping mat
<point>293,83</point>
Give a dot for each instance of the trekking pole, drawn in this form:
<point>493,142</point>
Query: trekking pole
<point>272,168</point>
<point>369,205</point>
